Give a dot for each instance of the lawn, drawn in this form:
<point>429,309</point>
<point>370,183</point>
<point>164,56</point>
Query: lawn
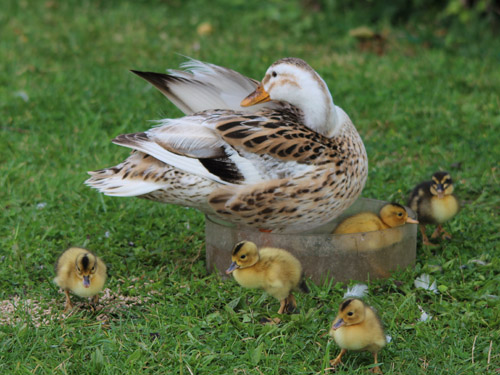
<point>429,101</point>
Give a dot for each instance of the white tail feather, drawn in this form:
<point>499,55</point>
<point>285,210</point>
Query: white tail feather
<point>117,187</point>
<point>357,291</point>
<point>424,282</point>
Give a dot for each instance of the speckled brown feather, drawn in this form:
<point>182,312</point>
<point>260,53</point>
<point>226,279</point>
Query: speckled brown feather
<point>281,136</point>
<point>330,187</point>
<point>174,186</point>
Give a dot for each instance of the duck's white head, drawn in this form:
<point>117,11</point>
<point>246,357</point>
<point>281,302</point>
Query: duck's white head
<point>293,81</point>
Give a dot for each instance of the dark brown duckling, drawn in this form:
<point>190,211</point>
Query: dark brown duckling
<point>434,203</point>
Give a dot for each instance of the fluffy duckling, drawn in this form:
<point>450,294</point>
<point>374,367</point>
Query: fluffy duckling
<point>434,203</point>
<point>81,272</point>
<point>275,270</point>
<point>391,215</point>
<point>357,327</point>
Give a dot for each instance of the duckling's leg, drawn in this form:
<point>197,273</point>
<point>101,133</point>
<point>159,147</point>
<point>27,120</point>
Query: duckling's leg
<point>440,231</point>
<point>336,361</point>
<point>93,302</point>
<point>425,239</point>
<point>275,320</point>
<point>68,305</point>
<point>290,304</point>
<point>446,235</point>
<point>282,306</point>
<point>270,321</point>
<point>376,369</point>
<point>436,232</point>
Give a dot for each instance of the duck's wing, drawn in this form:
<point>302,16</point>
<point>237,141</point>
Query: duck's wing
<point>278,133</point>
<point>185,145</point>
<point>232,147</point>
<point>203,86</point>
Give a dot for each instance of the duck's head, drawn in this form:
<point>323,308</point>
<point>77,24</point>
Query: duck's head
<point>245,254</point>
<point>352,311</point>
<point>442,184</point>
<point>86,266</point>
<point>293,81</point>
<point>395,215</point>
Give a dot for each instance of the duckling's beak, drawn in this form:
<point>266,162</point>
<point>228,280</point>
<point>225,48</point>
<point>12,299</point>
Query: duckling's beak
<point>232,267</point>
<point>440,191</point>
<point>86,281</point>
<point>411,221</point>
<point>258,96</point>
<point>339,323</point>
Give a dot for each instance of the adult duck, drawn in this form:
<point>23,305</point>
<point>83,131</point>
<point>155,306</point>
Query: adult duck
<point>285,159</point>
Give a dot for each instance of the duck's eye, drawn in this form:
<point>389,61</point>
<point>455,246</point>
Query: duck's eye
<point>93,269</point>
<point>400,214</point>
<point>350,313</point>
<point>274,74</point>
<point>243,257</point>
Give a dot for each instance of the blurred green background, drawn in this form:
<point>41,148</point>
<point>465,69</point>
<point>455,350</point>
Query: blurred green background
<point>420,80</point>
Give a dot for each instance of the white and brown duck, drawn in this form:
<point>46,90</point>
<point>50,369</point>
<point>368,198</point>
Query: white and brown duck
<point>277,155</point>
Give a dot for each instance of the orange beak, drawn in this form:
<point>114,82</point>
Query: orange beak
<point>411,221</point>
<point>258,96</point>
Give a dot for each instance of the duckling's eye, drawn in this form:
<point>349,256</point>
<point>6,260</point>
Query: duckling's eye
<point>243,257</point>
<point>93,269</point>
<point>400,214</point>
<point>274,74</point>
<point>350,313</point>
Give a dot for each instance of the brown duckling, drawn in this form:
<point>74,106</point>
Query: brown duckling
<point>434,203</point>
<point>391,215</point>
<point>81,272</point>
<point>357,327</point>
<point>275,270</point>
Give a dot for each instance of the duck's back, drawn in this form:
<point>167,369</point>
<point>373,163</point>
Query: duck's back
<point>362,222</point>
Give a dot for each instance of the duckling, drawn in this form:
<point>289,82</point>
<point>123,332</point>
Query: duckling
<point>357,327</point>
<point>275,270</point>
<point>434,203</point>
<point>81,272</point>
<point>391,215</point>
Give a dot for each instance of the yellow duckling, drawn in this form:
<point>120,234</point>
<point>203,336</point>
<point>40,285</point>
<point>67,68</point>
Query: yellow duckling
<point>81,272</point>
<point>357,327</point>
<point>391,215</point>
<point>434,203</point>
<point>275,270</point>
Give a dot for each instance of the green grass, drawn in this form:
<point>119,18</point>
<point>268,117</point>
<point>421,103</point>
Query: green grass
<point>418,109</point>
